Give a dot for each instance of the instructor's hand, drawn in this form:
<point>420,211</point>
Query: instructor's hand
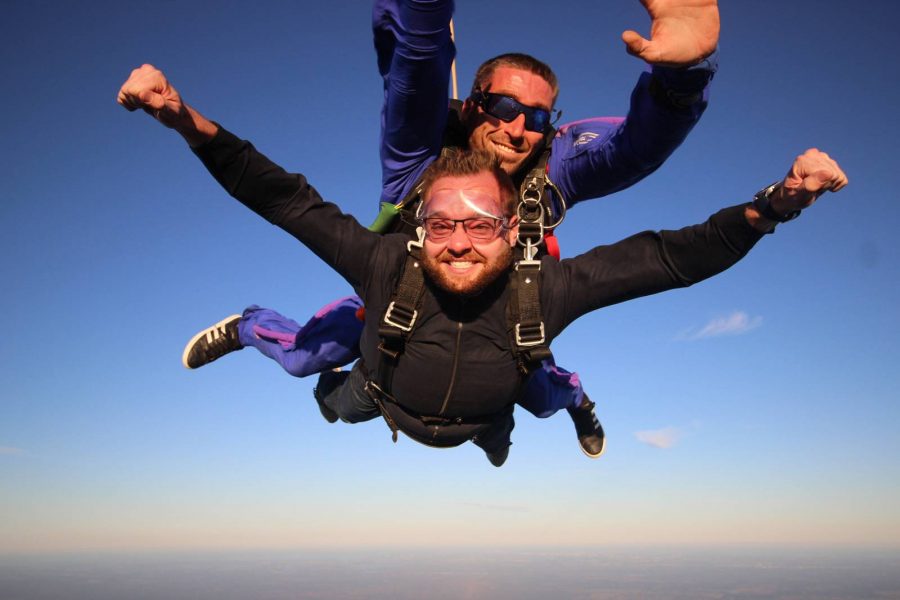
<point>682,33</point>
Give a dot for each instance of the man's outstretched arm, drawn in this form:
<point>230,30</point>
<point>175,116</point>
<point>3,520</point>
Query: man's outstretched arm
<point>652,262</point>
<point>284,199</point>
<point>412,40</point>
<point>596,157</point>
<point>265,192</point>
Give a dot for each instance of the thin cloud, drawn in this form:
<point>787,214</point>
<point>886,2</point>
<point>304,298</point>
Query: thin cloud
<point>10,451</point>
<point>659,438</point>
<point>736,323</point>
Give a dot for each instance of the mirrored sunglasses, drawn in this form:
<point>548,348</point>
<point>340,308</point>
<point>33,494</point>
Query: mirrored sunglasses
<point>507,108</point>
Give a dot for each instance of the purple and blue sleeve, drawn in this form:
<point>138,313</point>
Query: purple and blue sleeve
<point>415,52</point>
<point>595,157</point>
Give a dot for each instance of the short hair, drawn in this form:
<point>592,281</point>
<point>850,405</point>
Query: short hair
<point>456,162</point>
<point>515,60</point>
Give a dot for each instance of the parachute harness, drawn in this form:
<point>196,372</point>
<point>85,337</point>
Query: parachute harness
<point>538,197</point>
<point>535,212</point>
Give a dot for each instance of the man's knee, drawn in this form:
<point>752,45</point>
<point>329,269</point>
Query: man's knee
<point>344,393</point>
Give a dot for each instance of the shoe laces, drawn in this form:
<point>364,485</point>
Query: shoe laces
<point>585,419</point>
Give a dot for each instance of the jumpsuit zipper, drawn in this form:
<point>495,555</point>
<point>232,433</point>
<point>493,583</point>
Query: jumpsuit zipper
<point>459,326</point>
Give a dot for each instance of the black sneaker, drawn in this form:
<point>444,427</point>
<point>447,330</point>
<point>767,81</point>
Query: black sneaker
<point>212,343</point>
<point>588,429</point>
<point>328,380</point>
<point>498,457</point>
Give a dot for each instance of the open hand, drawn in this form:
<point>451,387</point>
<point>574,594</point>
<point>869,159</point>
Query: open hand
<point>682,33</point>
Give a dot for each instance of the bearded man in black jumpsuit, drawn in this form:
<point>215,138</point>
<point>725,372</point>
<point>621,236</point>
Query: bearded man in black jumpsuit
<point>457,378</point>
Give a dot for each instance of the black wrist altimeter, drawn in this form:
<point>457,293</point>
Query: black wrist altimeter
<point>764,207</point>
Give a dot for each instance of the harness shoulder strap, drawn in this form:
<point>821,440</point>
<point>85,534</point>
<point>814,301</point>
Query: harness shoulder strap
<point>399,318</point>
<point>526,322</point>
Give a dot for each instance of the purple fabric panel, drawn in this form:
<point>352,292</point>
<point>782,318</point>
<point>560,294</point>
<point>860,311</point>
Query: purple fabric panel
<point>551,389</point>
<point>330,339</point>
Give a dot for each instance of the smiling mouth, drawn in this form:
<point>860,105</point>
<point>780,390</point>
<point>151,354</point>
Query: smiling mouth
<point>460,264</point>
<point>505,149</point>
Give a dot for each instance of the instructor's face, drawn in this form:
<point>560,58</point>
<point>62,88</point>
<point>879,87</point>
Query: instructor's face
<point>510,142</point>
<point>459,264</point>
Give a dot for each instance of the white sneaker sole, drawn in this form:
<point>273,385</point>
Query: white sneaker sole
<point>599,454</point>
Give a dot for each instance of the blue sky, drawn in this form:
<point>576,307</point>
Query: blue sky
<point>759,407</point>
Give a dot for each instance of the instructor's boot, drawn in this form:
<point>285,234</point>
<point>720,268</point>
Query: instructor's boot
<point>212,343</point>
<point>588,429</point>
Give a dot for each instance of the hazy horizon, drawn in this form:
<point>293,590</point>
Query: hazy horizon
<point>499,574</point>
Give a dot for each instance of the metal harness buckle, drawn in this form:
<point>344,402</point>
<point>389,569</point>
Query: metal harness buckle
<point>403,314</point>
<point>533,333</point>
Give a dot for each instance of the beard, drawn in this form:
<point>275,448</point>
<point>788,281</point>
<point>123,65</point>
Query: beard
<point>472,285</point>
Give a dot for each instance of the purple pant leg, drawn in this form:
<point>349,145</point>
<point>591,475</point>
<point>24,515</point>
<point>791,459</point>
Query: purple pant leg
<point>550,389</point>
<point>329,339</point>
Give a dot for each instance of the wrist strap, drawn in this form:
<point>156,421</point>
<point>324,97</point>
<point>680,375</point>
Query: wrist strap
<point>762,203</point>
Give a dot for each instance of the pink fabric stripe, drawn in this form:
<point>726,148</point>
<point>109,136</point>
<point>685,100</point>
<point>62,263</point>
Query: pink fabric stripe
<point>611,120</point>
<point>329,307</point>
<point>285,339</point>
